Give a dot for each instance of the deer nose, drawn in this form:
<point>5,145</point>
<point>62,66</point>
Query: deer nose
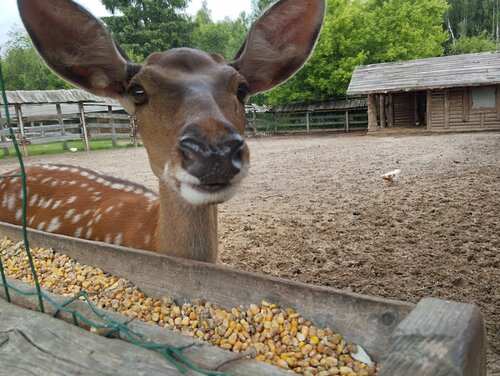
<point>212,163</point>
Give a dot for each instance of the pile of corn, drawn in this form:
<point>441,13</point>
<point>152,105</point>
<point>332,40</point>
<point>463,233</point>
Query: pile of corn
<point>278,336</point>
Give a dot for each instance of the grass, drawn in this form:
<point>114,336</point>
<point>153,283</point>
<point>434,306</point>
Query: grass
<point>57,148</point>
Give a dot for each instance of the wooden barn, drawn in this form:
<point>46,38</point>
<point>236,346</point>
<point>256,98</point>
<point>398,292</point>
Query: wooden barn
<point>450,93</point>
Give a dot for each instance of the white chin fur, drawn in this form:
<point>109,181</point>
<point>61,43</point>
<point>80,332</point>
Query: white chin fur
<point>195,197</point>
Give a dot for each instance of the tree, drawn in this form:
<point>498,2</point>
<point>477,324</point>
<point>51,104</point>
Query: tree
<point>224,37</point>
<point>358,32</point>
<point>142,27</point>
<point>23,68</point>
<point>468,45</point>
<point>473,18</point>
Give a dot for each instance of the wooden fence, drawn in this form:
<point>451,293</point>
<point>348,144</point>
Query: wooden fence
<point>306,122</point>
<point>61,116</point>
<point>105,121</point>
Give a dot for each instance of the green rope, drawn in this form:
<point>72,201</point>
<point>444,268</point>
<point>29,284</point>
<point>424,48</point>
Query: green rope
<point>25,191</point>
<point>112,327</point>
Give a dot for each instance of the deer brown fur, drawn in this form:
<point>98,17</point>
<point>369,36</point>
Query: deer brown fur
<point>189,106</point>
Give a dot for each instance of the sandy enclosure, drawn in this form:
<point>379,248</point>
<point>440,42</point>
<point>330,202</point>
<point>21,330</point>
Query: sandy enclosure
<point>315,210</point>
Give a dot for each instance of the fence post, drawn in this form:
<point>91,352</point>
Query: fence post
<point>61,123</point>
<point>308,124</point>
<point>19,114</point>
<point>112,122</point>
<point>84,127</point>
<point>275,126</point>
<point>347,120</point>
<point>254,122</point>
<point>372,113</point>
<point>2,136</point>
<point>133,127</point>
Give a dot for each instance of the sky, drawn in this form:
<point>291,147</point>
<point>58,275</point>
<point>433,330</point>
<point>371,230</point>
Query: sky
<point>219,8</point>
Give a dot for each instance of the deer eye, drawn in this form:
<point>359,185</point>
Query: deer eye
<point>138,94</point>
<point>243,90</point>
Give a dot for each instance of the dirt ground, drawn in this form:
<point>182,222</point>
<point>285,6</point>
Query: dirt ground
<point>316,210</point>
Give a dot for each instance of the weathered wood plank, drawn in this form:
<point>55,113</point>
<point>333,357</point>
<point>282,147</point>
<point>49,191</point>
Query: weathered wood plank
<point>432,73</point>
<point>33,343</point>
<point>200,353</point>
<point>438,338</point>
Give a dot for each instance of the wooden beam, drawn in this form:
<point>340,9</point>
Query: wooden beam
<point>498,102</point>
<point>86,146</point>
<point>372,113</point>
<point>415,108</point>
<point>465,105</point>
<point>382,110</point>
<point>446,108</point>
<point>390,111</point>
<point>22,135</point>
<point>308,122</point>
<point>347,120</point>
<point>427,341</point>
<point>428,110</point>
<point>61,123</point>
<point>112,122</point>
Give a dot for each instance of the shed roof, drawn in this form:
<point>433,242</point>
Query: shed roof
<point>326,105</point>
<point>433,73</point>
<point>53,96</point>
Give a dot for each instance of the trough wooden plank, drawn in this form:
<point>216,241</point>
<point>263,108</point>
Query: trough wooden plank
<point>200,353</point>
<point>368,321</point>
<point>33,343</point>
<point>438,338</point>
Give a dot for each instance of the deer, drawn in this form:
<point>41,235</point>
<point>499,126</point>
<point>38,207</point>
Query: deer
<point>189,108</point>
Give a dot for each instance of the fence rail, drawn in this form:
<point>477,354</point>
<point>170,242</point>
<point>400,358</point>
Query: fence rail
<point>108,121</point>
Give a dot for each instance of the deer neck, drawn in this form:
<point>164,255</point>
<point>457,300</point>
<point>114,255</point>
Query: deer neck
<point>185,230</point>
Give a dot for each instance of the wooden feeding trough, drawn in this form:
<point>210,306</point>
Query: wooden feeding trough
<point>433,337</point>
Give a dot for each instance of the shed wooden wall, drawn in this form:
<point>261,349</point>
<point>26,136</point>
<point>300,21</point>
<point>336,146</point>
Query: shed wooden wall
<point>451,109</point>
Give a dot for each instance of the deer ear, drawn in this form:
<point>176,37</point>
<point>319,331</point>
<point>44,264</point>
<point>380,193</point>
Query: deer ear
<point>280,42</point>
<point>75,45</point>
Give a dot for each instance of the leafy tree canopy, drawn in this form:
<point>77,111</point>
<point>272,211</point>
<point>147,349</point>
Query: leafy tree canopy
<point>358,32</point>
<point>23,68</point>
<point>142,27</point>
<point>224,37</point>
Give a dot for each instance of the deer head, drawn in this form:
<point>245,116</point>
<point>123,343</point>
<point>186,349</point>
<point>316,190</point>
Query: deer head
<point>189,104</point>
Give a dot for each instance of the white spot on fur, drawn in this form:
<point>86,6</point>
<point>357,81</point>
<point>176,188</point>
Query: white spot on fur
<point>78,232</point>
<point>118,239</point>
<point>147,240</point>
<point>30,221</point>
<point>54,225</point>
<point>89,233</point>
<point>19,214</point>
<point>107,238</point>
<point>40,226</point>
<point>108,210</point>
<point>48,203</point>
<point>71,199</point>
<point>33,199</point>
<point>11,201</point>
<point>69,213</point>
<point>57,204</point>
<point>117,186</point>
<point>76,218</point>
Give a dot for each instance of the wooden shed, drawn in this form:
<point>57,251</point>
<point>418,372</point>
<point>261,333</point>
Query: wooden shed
<point>450,93</point>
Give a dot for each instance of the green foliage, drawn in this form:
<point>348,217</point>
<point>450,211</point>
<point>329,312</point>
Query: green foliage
<point>224,37</point>
<point>468,45</point>
<point>24,69</point>
<point>142,27</point>
<point>358,32</point>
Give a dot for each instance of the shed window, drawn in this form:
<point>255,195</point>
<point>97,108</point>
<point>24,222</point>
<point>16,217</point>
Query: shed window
<point>483,97</point>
